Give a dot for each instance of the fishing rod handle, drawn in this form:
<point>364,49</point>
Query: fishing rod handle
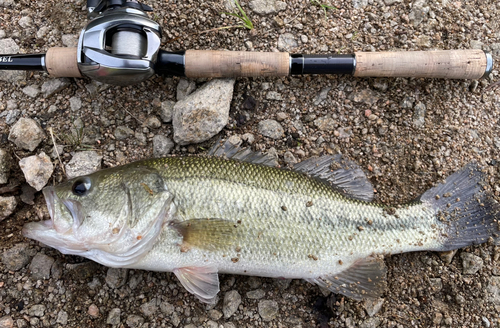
<point>449,64</point>
<point>62,62</point>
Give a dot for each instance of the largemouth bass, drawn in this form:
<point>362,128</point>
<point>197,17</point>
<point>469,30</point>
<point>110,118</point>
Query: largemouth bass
<point>200,216</point>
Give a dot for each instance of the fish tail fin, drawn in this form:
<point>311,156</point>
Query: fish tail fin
<point>467,213</point>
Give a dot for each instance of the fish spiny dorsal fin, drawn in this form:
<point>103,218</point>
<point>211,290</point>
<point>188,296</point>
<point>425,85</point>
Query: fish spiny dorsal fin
<point>365,279</point>
<point>344,175</point>
<point>230,151</point>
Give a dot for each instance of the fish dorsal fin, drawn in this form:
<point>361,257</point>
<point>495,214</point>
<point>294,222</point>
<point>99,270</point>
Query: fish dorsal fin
<point>344,175</point>
<point>206,234</point>
<point>230,151</point>
<point>203,282</point>
<point>365,279</point>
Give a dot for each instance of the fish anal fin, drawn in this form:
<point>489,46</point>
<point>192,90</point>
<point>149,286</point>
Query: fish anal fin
<point>365,279</point>
<point>206,234</point>
<point>203,282</point>
<point>343,175</point>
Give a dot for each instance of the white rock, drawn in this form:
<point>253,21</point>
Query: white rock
<point>37,170</point>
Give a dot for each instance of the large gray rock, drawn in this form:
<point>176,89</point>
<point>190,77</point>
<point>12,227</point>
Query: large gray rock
<point>26,134</point>
<point>204,113</point>
<point>264,7</point>
<point>37,170</point>
<point>5,165</point>
<point>83,163</point>
<point>9,46</point>
<point>7,206</point>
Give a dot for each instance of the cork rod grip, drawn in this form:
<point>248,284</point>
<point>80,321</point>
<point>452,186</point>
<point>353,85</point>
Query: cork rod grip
<point>207,63</point>
<point>449,64</point>
<point>61,62</point>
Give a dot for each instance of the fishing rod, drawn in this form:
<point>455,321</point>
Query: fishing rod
<point>121,46</point>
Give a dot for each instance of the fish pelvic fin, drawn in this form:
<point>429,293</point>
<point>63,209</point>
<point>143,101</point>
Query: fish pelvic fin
<point>203,282</point>
<point>467,214</point>
<point>343,175</point>
<point>365,279</point>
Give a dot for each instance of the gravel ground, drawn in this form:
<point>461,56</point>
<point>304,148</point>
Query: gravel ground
<point>406,134</point>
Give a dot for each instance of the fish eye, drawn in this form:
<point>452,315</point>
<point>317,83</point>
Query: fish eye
<point>81,187</point>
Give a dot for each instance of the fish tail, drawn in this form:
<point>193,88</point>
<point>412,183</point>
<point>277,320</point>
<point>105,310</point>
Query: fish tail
<point>466,213</point>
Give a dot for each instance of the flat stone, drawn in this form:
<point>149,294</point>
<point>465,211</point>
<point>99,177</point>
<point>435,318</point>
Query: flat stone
<point>419,115</point>
<point>325,123</point>
<point>6,322</point>
<point>232,300</point>
<point>115,278</point>
<point>134,321</point>
<point>166,111</point>
<point>204,113</point>
<point>256,294</point>
<point>26,134</point>
<point>287,42</point>
<point>31,91</point>
<point>185,88</point>
<point>153,122</point>
<point>471,263</point>
<point>40,266</point>
<point>162,146</point>
<point>7,206</point>
<point>37,310</point>
<point>264,7</point>
<point>62,317</point>
<point>271,129</point>
<point>16,257</point>
<point>70,40</point>
<point>268,310</point>
<point>53,86</point>
<point>150,308</point>
<point>214,314</point>
<point>83,163</point>
<point>123,132</point>
<point>75,103</point>
<point>366,96</point>
<point>37,170</point>
<point>373,306</point>
<point>5,165</point>
<point>93,311</point>
<point>323,94</point>
<point>114,317</point>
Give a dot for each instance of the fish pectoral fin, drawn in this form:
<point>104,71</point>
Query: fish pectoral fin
<point>365,279</point>
<point>341,174</point>
<point>203,282</point>
<point>206,234</point>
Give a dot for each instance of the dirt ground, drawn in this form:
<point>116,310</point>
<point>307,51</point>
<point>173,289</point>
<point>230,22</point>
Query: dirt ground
<point>407,134</point>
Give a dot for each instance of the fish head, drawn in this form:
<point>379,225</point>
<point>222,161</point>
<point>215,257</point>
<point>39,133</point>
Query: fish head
<point>112,216</point>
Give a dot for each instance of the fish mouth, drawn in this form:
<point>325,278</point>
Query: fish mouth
<point>37,230</point>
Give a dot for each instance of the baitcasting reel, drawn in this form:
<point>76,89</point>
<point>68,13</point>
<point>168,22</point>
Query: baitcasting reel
<point>120,45</point>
